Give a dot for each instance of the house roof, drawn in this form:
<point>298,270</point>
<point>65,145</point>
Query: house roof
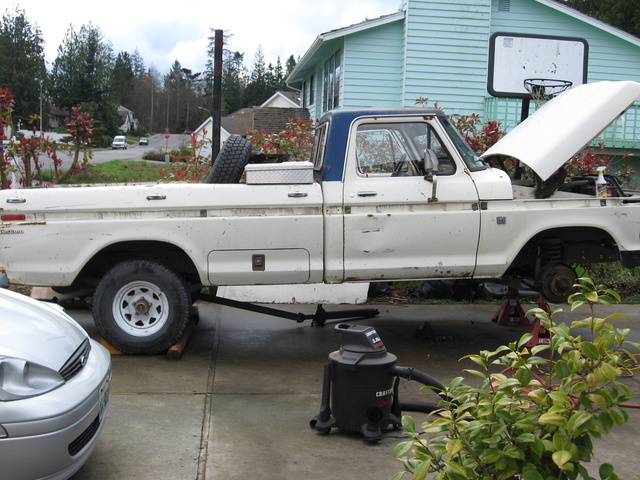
<point>275,119</point>
<point>269,119</point>
<point>239,122</point>
<point>327,39</point>
<point>590,20</point>
<point>292,98</point>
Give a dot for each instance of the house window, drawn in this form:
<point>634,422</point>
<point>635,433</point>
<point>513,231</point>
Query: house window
<point>304,94</point>
<point>331,84</point>
<point>312,90</point>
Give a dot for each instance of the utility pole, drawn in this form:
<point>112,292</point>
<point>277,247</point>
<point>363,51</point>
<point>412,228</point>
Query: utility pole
<point>216,107</point>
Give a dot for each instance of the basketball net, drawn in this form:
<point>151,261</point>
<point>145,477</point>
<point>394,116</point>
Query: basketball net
<point>544,89</point>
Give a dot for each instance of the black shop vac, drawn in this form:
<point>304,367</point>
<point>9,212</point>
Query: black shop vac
<point>360,386</point>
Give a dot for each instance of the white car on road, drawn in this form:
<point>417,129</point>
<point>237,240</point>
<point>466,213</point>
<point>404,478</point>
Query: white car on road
<point>119,141</point>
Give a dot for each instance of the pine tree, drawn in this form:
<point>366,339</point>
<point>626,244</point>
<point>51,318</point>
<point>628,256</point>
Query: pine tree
<point>22,65</point>
<point>81,76</point>
<point>622,14</point>
<point>122,79</point>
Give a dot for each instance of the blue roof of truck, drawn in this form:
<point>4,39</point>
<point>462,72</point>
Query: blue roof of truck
<point>338,134</point>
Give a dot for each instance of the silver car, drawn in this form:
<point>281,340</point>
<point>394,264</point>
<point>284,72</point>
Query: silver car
<point>54,389</point>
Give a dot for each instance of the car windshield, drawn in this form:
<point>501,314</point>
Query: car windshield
<point>472,160</point>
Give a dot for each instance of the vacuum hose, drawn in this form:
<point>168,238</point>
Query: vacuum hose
<point>411,373</point>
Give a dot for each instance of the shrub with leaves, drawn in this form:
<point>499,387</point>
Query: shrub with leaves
<point>479,139</point>
<point>294,142</point>
<point>6,108</point>
<point>189,164</point>
<point>535,411</point>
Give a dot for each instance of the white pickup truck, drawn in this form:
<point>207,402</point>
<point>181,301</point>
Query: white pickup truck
<point>391,195</point>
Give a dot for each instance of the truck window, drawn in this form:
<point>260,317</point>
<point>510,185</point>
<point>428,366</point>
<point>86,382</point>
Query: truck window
<point>472,160</point>
<point>378,151</point>
<point>397,149</point>
<point>318,146</point>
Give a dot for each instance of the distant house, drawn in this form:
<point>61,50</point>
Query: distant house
<point>441,50</point>
<point>283,100</point>
<point>57,116</point>
<point>129,121</point>
<point>272,116</point>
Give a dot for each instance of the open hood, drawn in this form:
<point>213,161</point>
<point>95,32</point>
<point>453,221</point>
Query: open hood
<point>565,125</point>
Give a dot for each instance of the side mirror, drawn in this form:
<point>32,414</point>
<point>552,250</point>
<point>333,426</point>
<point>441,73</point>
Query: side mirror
<point>431,163</point>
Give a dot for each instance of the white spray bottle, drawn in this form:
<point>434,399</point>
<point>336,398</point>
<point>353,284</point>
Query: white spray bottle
<point>602,189</point>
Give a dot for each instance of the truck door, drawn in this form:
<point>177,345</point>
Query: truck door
<point>395,225</point>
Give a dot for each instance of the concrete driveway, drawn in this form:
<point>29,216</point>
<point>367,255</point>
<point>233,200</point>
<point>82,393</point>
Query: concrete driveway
<point>238,403</point>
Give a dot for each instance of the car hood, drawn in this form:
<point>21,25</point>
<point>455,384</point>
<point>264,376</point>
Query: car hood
<point>565,125</point>
<point>36,331</point>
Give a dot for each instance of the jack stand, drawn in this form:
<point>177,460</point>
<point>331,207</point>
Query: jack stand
<point>541,336</point>
<point>511,312</point>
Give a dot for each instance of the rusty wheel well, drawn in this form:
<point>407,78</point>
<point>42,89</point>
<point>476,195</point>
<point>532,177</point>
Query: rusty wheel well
<point>169,255</point>
<point>569,245</point>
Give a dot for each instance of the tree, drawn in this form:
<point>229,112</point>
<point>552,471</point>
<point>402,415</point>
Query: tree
<point>81,75</point>
<point>290,65</point>
<point>22,65</point>
<point>623,14</point>
<point>234,81</point>
<point>138,64</point>
<point>258,89</point>
<point>122,78</point>
<point>239,87</point>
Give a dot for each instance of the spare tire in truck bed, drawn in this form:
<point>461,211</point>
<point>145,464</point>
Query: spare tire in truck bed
<point>230,162</point>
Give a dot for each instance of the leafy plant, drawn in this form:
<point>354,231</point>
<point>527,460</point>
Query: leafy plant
<point>189,164</point>
<point>294,142</point>
<point>536,410</point>
<point>480,136</point>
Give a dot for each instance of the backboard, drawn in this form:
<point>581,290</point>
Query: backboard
<point>514,58</point>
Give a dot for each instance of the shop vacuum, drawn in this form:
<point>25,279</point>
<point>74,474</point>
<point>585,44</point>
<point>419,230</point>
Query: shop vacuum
<point>360,386</point>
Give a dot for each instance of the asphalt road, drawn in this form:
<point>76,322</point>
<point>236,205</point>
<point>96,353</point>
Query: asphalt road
<point>134,152</point>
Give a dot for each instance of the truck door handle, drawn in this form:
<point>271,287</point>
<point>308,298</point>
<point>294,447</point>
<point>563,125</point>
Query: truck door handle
<point>156,196</point>
<point>16,200</point>
<point>298,194</point>
<point>367,194</point>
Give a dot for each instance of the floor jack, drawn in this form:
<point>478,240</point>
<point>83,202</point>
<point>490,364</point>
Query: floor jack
<point>512,313</point>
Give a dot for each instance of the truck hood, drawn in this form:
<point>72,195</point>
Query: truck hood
<point>565,125</point>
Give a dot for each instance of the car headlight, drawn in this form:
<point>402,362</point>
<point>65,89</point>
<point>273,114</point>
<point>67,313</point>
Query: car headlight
<point>22,379</point>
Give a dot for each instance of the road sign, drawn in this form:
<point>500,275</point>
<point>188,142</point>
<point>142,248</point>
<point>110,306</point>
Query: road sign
<point>167,134</point>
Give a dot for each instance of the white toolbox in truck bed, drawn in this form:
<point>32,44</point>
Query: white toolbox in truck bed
<point>279,173</point>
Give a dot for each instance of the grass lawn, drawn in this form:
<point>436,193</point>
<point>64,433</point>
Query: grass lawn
<point>118,171</point>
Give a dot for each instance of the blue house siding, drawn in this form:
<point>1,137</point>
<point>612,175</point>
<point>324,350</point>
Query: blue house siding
<point>439,50</point>
<point>373,61</point>
<point>446,45</point>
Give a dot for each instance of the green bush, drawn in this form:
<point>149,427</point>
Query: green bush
<point>536,410</point>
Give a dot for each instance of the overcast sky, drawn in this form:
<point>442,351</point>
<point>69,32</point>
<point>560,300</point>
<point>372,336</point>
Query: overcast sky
<point>164,31</point>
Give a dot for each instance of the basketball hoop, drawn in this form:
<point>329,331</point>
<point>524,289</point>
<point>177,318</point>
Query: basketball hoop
<point>544,89</point>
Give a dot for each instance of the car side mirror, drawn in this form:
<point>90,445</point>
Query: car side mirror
<point>431,165</point>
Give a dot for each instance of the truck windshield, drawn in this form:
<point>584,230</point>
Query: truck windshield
<point>472,161</point>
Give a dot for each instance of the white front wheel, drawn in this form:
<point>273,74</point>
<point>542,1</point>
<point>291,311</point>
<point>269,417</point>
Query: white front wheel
<point>141,307</point>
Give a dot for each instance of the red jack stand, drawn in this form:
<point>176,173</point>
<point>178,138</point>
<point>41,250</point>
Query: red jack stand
<point>511,312</point>
<point>541,336</point>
